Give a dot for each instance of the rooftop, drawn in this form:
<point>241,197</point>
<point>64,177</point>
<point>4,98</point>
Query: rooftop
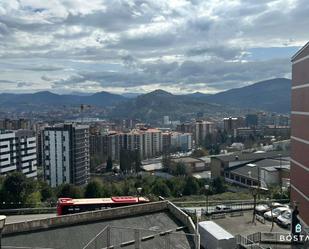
<point>251,156</point>
<point>152,219</point>
<point>267,164</point>
<point>187,160</point>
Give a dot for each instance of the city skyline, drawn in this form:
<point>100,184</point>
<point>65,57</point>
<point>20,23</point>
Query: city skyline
<point>139,46</point>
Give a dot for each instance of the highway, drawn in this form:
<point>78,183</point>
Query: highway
<point>27,217</point>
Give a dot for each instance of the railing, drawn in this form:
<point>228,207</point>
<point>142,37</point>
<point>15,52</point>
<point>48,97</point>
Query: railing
<point>274,239</point>
<point>226,202</point>
<point>245,243</point>
<point>232,206</point>
<point>19,211</point>
<point>23,247</point>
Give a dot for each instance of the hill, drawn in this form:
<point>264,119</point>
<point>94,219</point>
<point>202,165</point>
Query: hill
<point>154,105</point>
<point>48,100</point>
<point>271,95</point>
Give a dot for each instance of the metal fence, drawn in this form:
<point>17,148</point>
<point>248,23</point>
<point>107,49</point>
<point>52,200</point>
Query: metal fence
<point>131,238</point>
<point>272,240</point>
<point>245,243</point>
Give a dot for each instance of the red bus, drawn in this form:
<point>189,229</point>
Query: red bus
<point>71,206</point>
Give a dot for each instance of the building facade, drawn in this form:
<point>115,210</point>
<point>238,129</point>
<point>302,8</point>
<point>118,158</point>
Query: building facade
<point>15,124</point>
<point>181,141</point>
<point>18,153</point>
<point>231,124</point>
<point>201,130</point>
<point>66,154</point>
<point>300,133</point>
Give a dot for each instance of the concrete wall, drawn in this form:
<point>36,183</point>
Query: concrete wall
<point>182,217</point>
<point>108,214</point>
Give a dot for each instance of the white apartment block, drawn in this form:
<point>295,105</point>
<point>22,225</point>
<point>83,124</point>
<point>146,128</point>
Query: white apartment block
<point>183,141</point>
<point>18,153</point>
<point>66,154</point>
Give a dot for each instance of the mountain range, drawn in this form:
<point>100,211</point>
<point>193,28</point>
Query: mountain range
<point>270,95</point>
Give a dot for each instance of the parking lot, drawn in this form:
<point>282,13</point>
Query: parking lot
<point>243,225</point>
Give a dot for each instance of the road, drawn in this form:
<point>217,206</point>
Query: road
<point>211,209</point>
<point>27,217</point>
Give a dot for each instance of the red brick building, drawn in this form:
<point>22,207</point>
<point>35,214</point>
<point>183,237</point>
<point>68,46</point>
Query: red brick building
<point>300,132</point>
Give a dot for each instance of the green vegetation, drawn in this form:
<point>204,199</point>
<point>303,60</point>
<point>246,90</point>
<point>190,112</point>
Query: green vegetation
<point>16,191</point>
<point>109,164</point>
<point>130,161</point>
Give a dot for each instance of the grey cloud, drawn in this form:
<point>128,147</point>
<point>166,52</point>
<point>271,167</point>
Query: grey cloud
<point>3,29</point>
<point>118,16</point>
<point>193,46</point>
<point>42,68</point>
<point>24,84</point>
<point>223,52</point>
<point>7,81</point>
<point>219,74</point>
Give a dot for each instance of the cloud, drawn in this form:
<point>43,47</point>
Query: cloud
<point>138,44</point>
<point>217,74</point>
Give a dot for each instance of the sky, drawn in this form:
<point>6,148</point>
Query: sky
<point>181,46</point>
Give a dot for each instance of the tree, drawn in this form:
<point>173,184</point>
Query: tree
<point>180,169</point>
<point>208,141</point>
<point>166,162</point>
<point>160,189</point>
<point>18,190</point>
<point>191,186</point>
<point>93,190</point>
<point>176,185</point>
<point>109,164</point>
<point>218,185</point>
<point>70,191</point>
<point>137,159</point>
<point>125,161</point>
<point>46,192</point>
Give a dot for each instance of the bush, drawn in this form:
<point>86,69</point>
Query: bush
<point>160,189</point>
<point>69,191</point>
<point>93,190</point>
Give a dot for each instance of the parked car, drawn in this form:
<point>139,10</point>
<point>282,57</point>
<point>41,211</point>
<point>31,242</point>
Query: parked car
<point>222,208</point>
<point>284,219</point>
<point>262,208</point>
<point>277,204</point>
<point>275,213</point>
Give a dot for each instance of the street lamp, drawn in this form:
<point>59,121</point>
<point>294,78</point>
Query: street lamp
<point>254,192</point>
<point>206,193</point>
<point>280,175</point>
<point>139,191</point>
<point>2,223</point>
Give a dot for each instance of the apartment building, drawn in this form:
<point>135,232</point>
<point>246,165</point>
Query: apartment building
<point>18,152</point>
<point>66,154</point>
<point>300,133</point>
<point>201,130</point>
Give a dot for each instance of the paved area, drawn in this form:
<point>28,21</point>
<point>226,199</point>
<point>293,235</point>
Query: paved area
<point>27,217</point>
<point>243,225</point>
<point>75,237</point>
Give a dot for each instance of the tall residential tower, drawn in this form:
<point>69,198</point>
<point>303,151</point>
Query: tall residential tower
<point>300,133</point>
<point>66,154</point>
